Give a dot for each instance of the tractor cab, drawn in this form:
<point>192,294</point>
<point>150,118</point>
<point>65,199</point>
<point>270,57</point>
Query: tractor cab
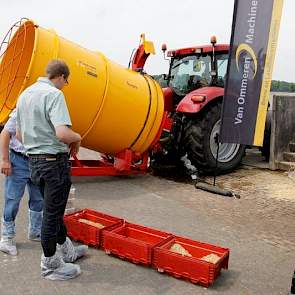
<point>196,67</point>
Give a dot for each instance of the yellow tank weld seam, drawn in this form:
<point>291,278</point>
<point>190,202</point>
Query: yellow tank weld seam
<point>55,45</point>
<point>157,107</point>
<point>32,57</point>
<point>147,115</point>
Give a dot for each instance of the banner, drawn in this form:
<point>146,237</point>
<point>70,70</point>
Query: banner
<point>253,45</point>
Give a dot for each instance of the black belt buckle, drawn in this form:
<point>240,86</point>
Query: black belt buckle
<point>50,159</point>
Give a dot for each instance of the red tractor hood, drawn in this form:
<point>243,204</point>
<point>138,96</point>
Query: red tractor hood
<point>187,105</point>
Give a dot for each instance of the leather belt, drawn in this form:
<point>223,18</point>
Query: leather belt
<point>48,157</point>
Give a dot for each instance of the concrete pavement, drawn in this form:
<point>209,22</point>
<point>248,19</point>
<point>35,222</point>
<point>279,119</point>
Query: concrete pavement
<point>258,228</point>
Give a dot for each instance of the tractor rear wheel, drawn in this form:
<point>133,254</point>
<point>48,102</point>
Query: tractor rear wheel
<point>200,142</point>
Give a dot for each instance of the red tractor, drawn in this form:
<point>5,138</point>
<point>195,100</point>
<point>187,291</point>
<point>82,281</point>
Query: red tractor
<point>193,99</point>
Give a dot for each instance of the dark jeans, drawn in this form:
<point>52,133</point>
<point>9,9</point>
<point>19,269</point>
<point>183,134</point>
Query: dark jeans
<point>52,175</point>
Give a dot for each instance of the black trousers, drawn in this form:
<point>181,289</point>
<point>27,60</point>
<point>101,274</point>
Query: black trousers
<point>52,173</point>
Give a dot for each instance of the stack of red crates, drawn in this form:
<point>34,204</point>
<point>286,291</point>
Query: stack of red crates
<point>148,246</point>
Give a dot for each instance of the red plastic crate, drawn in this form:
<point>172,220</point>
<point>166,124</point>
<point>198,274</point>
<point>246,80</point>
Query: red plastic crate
<point>133,242</point>
<point>88,234</point>
<point>190,268</point>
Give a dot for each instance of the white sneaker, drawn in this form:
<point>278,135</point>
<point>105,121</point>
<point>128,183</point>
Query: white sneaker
<point>55,269</point>
<point>8,246</point>
<point>69,252</point>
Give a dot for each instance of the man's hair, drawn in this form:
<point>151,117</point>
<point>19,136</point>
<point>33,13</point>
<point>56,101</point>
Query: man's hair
<point>57,68</point>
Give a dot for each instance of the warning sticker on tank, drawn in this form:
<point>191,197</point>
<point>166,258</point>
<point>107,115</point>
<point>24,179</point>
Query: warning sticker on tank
<point>131,85</point>
<point>87,66</point>
<point>91,74</point>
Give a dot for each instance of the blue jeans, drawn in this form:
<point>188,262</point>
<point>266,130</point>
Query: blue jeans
<point>52,174</point>
<point>14,190</point>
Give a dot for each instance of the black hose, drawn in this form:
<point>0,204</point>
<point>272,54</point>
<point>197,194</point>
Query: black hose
<point>213,189</point>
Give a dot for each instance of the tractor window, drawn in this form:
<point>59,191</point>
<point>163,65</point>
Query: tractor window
<point>189,73</point>
<point>222,61</point>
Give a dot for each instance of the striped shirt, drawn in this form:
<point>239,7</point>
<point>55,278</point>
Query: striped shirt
<point>10,126</point>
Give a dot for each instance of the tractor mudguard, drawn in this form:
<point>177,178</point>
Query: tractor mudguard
<point>193,102</point>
